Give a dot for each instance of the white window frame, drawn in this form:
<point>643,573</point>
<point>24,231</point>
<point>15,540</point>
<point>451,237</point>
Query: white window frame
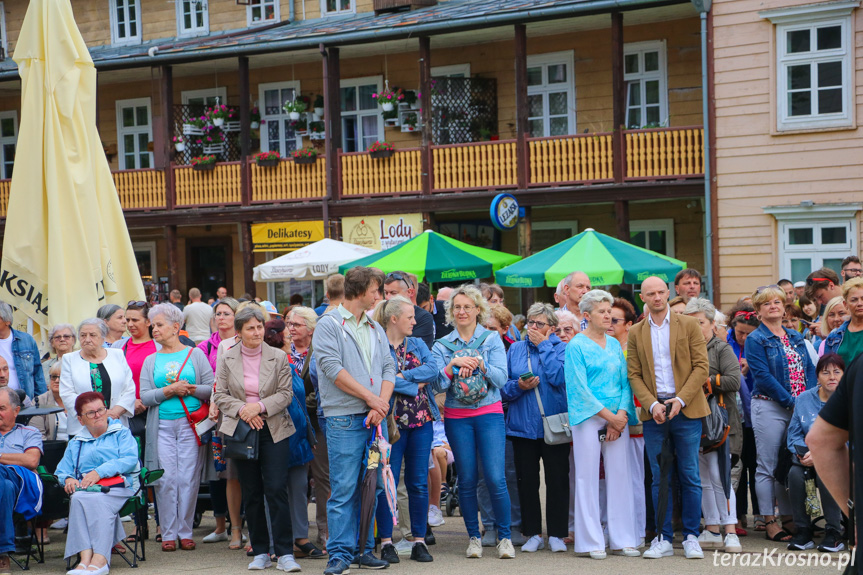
<point>642,76</point>
<point>3,141</point>
<point>378,81</point>
<point>567,58</point>
<point>809,17</point>
<point>263,4</point>
<point>3,43</point>
<point>148,247</point>
<point>182,32</point>
<point>351,10</point>
<point>115,24</point>
<point>280,117</point>
<point>221,93</point>
<point>455,70</point>
<point>121,131</point>
<point>660,225</point>
<point>816,216</point>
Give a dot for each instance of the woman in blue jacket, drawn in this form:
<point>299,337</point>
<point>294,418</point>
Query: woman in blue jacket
<point>781,371</point>
<point>542,354</point>
<point>414,410</point>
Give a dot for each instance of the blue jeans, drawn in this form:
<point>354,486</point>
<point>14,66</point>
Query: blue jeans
<point>686,439</point>
<point>474,440</point>
<point>415,446</point>
<point>346,445</point>
<point>10,486</point>
<point>486,513</point>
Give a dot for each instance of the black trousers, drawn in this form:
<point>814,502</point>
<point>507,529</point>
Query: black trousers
<point>266,477</point>
<point>527,454</point>
<point>747,475</point>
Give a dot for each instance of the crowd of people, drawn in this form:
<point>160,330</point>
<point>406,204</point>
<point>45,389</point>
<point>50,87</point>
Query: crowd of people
<point>675,418</point>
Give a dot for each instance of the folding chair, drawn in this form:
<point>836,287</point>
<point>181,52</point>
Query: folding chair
<point>55,505</point>
<point>137,506</point>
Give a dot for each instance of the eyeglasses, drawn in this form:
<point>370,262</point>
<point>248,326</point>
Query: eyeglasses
<point>397,277</point>
<point>617,320</point>
<point>94,414</point>
<point>224,314</point>
<point>54,377</point>
<point>465,308</point>
<point>853,271</point>
<point>536,324</point>
<point>296,325</point>
<point>67,336</point>
<point>762,288</point>
<point>566,330</point>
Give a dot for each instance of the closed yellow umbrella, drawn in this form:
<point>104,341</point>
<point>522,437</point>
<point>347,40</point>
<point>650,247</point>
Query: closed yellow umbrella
<point>66,249</point>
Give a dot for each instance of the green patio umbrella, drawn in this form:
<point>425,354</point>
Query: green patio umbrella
<point>437,258</point>
<point>605,260</point>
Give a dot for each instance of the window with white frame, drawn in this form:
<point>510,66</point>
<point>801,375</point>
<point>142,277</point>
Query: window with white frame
<point>3,29</point>
<point>644,71</point>
<point>125,21</point>
<point>362,122</point>
<point>8,141</point>
<point>654,235</point>
<point>814,237</point>
<point>332,7</point>
<point>262,12</point>
<point>277,132</point>
<point>551,94</point>
<point>134,133</point>
<point>814,66</point>
<point>193,17</point>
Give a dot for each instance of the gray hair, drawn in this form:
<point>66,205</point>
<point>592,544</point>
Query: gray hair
<point>103,327</point>
<point>14,398</point>
<point>471,292</point>
<point>171,312</point>
<point>5,312</point>
<point>245,315</point>
<point>393,307</point>
<point>106,311</point>
<point>228,301</point>
<point>543,309</point>
<point>566,316</point>
<point>307,314</point>
<point>699,304</point>
<point>593,298</point>
<point>57,366</point>
<point>61,326</point>
<point>559,290</point>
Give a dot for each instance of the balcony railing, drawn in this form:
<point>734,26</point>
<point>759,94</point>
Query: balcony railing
<point>288,181</point>
<point>664,153</point>
<point>571,159</point>
<point>5,188</point>
<point>140,189</point>
<point>362,175</point>
<point>481,165</point>
<point>220,186</point>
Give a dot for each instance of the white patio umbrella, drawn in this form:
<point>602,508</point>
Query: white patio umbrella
<point>313,262</point>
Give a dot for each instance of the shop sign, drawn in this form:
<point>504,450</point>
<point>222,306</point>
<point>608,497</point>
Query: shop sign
<point>504,212</point>
<point>381,232</point>
<point>286,236</point>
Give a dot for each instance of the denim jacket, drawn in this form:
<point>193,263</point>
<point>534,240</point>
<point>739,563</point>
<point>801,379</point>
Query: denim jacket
<point>546,361</point>
<point>746,384</point>
<point>494,357</point>
<point>834,340</point>
<point>769,365</point>
<point>806,411</point>
<point>27,364</point>
<point>425,373</point>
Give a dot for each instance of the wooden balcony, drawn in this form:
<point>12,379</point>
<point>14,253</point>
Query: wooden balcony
<point>665,153</point>
<point>362,175</point>
<point>476,166</point>
<point>218,187</point>
<point>5,187</point>
<point>288,181</point>
<point>571,159</point>
<point>140,189</point>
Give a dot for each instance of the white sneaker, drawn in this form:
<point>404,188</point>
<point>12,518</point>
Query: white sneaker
<point>474,548</point>
<point>403,547</point>
<point>505,550</point>
<point>60,524</point>
<point>77,571</point>
<point>126,518</point>
<point>216,537</point>
<point>691,548</point>
<point>627,552</point>
<point>600,554</point>
<point>556,545</point>
<point>659,548</point>
<point>260,562</point>
<point>708,540</point>
<point>732,544</point>
<point>287,564</point>
<point>533,544</point>
<point>435,516</point>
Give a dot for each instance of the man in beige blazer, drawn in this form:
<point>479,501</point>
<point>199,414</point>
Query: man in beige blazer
<point>667,364</point>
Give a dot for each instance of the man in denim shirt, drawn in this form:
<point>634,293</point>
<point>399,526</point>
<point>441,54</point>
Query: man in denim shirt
<point>21,353</point>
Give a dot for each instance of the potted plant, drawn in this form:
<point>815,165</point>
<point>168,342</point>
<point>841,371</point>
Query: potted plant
<point>195,126</point>
<point>294,108</point>
<point>300,126</point>
<point>411,99</point>
<point>306,155</point>
<point>218,114</point>
<point>389,98</point>
<point>380,150</point>
<point>179,144</point>
<point>255,118</point>
<point>316,130</point>
<point>204,163</point>
<point>319,106</point>
<point>268,159</point>
<point>410,123</point>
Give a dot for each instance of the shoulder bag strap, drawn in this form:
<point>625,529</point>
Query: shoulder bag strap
<point>535,389</point>
<point>183,403</point>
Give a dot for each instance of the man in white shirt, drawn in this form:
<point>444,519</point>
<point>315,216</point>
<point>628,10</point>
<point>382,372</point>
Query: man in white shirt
<point>667,364</point>
<point>198,316</point>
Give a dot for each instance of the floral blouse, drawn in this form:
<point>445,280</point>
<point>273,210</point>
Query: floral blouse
<point>410,411</point>
<point>795,368</point>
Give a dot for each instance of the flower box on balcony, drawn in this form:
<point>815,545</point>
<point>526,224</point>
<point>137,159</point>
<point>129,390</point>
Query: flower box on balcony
<point>231,127</point>
<point>305,159</point>
<point>381,154</point>
<point>204,167</point>
<point>214,149</point>
<point>192,130</point>
<point>317,136</point>
<point>268,163</point>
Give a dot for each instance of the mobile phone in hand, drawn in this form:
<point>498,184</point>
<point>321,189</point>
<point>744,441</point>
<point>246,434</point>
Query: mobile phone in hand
<point>602,433</point>
<point>526,376</point>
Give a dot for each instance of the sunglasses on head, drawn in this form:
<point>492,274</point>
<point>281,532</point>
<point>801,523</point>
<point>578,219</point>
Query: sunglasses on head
<point>813,281</point>
<point>397,277</point>
<point>135,304</point>
<point>762,288</point>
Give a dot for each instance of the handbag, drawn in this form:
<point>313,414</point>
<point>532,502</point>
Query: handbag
<point>243,444</point>
<point>715,426</point>
<point>473,388</point>
<point>555,427</point>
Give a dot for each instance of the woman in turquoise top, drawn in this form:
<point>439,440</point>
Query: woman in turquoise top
<point>173,376</point>
<point>600,410</point>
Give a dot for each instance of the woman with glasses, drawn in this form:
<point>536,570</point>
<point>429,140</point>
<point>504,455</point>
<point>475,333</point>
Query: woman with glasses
<point>781,371</point>
<point>567,325</point>
<point>62,340</point>
<point>540,357</point>
<point>94,368</point>
<point>301,322</point>
<point>53,425</point>
<point>474,422</point>
<point>115,318</point>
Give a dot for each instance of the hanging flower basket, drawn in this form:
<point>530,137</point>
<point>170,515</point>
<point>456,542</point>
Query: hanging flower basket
<point>255,125</point>
<point>192,130</point>
<point>180,147</point>
<point>319,112</point>
<point>218,122</point>
<point>387,106</point>
<point>231,127</point>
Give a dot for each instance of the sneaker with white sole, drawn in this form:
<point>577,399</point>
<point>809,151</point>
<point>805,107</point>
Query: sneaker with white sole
<point>533,544</point>
<point>505,550</point>
<point>659,548</point>
<point>556,545</point>
<point>691,548</point>
<point>60,524</point>
<point>435,516</point>
<point>732,544</point>
<point>474,548</point>
<point>599,554</point>
<point>404,547</point>
<point>260,562</point>
<point>216,537</point>
<point>708,540</point>
<point>627,552</point>
<point>287,564</point>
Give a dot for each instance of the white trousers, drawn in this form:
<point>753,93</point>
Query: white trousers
<point>717,510</point>
<point>588,535</point>
<point>636,473</point>
<point>571,489</point>
<point>177,492</point>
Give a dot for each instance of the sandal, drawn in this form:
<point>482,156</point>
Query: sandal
<point>760,525</point>
<point>780,536</point>
<point>169,545</point>
<point>308,550</point>
<point>187,544</point>
<point>741,532</point>
<point>158,537</point>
